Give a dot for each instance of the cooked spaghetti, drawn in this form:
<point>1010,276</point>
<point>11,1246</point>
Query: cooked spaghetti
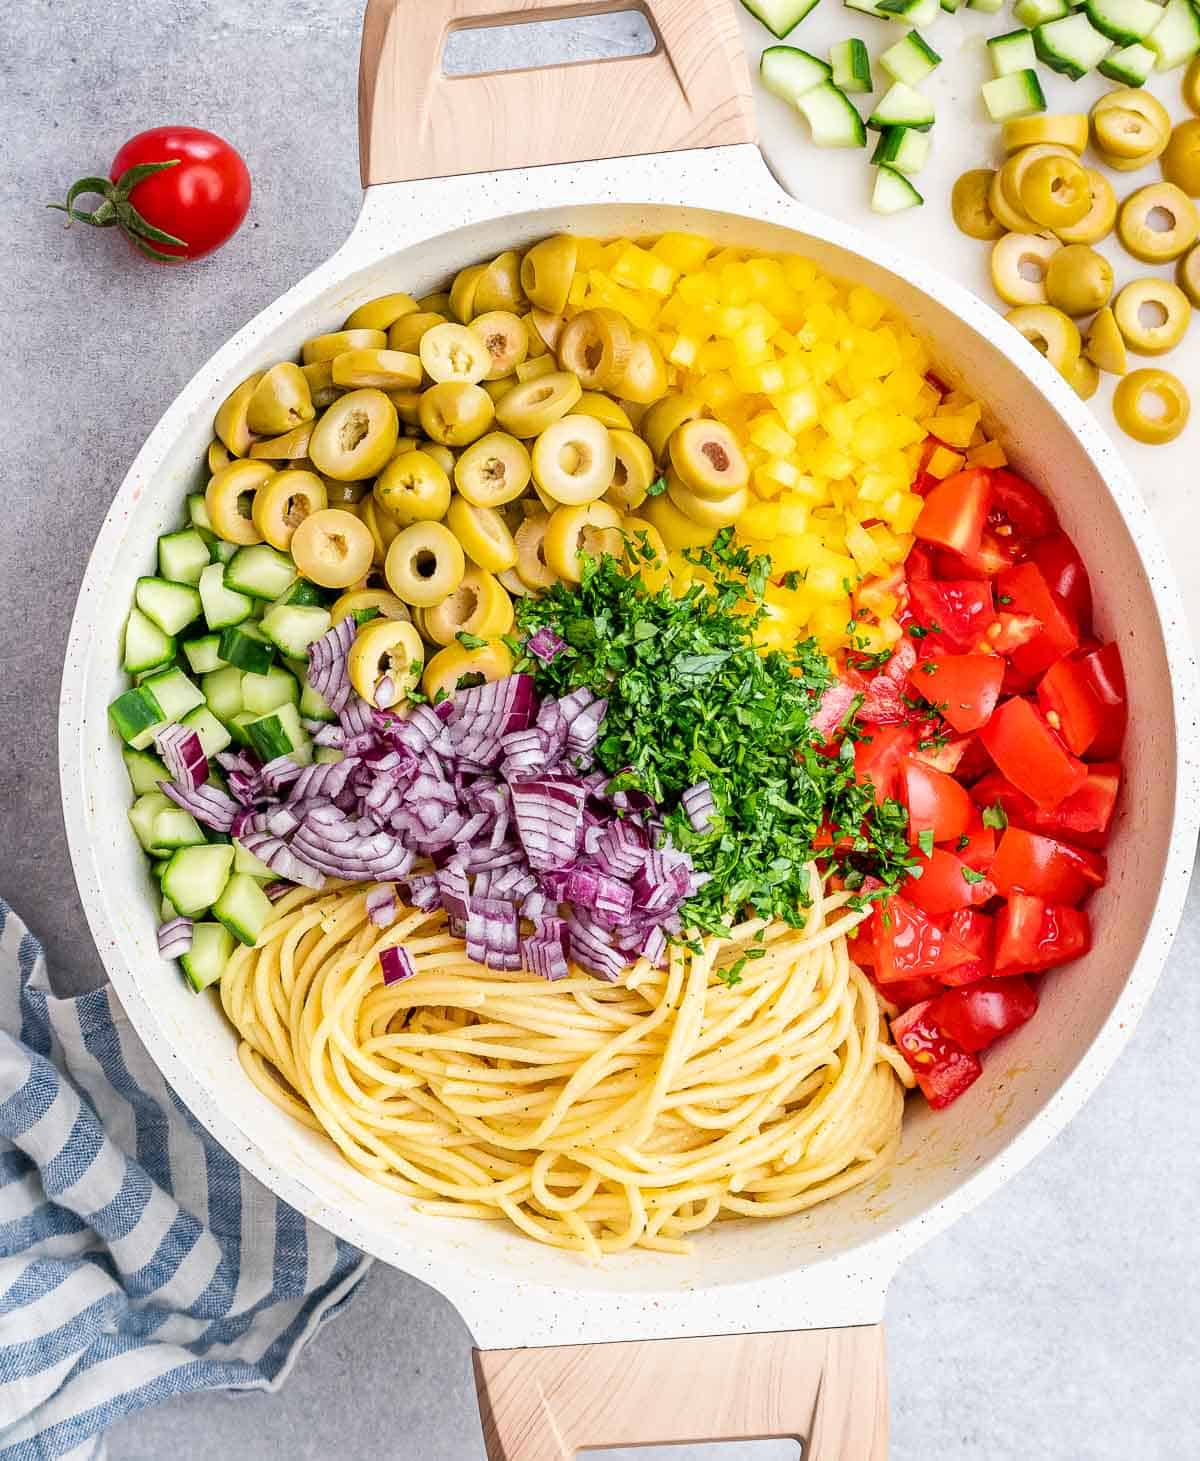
<point>593,1117</point>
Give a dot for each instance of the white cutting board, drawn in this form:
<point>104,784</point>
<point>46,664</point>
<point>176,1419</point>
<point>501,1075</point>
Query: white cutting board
<point>839,182</point>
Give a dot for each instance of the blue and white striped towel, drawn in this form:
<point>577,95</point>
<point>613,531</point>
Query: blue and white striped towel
<point>137,1260</point>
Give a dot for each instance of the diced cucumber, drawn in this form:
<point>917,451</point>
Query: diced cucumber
<point>172,606</point>
<point>254,867</point>
<point>787,72</point>
<point>146,646</point>
<point>293,627</point>
<point>950,6</point>
<point>136,715</point>
<point>174,692</point>
<point>989,7</point>
<point>831,117</point>
<point>851,66</point>
<point>204,654</point>
<point>1018,95</point>
<point>1038,12</point>
<point>867,7</point>
<point>237,726</point>
<point>198,514</point>
<point>166,910</point>
<point>222,606</point>
<point>175,828</point>
<point>911,59</point>
<point>278,733</point>
<point>195,876</point>
<point>222,551</point>
<point>902,148</point>
<point>893,192</point>
<point>183,556</point>
<point>158,866</point>
<point>223,692</point>
<point>145,770</point>
<point>143,813</point>
<point>779,16</point>
<point>213,735</point>
<point>901,106</point>
<point>302,592</point>
<point>918,13</point>
<point>247,647</point>
<point>1176,37</point>
<point>212,948</point>
<point>1071,46</point>
<point>264,693</point>
<point>328,756</point>
<point>313,705</point>
<point>1012,52</point>
<point>1123,21</point>
<point>1131,65</point>
<point>261,571</point>
<point>243,908</point>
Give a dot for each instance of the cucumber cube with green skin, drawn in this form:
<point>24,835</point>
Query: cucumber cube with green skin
<point>1176,37</point>
<point>183,556</point>
<point>223,692</point>
<point>243,908</point>
<point>313,705</point>
<point>1018,95</point>
<point>212,948</point>
<point>910,60</point>
<point>172,606</point>
<point>1071,46</point>
<point>1038,12</point>
<point>222,551</point>
<point>293,627</point>
<point>851,66</point>
<point>175,828</point>
<point>302,593</point>
<point>788,72</point>
<point>213,735</point>
<point>989,7</point>
<point>136,715</point>
<point>779,16</point>
<point>204,654</point>
<point>902,106</point>
<point>263,693</point>
<point>145,770</point>
<point>222,606</point>
<point>195,877</point>
<point>145,646</point>
<point>1124,21</point>
<point>198,514</point>
<point>143,813</point>
<point>1130,66</point>
<point>247,647</point>
<point>174,692</point>
<point>1012,52</point>
<point>254,867</point>
<point>893,192</point>
<point>328,756</point>
<point>904,149</point>
<point>950,6</point>
<point>237,726</point>
<point>831,117</point>
<point>279,733</point>
<point>261,571</point>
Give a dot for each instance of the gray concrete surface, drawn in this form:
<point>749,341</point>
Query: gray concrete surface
<point>1059,1322</point>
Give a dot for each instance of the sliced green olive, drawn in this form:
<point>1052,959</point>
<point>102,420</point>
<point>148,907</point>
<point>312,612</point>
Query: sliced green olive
<point>408,407</point>
<point>633,470</point>
<point>360,601</point>
<point>505,339</point>
<point>1180,161</point>
<point>593,528</point>
<point>292,446</point>
<point>229,500</point>
<point>596,346</point>
<point>969,205</point>
<point>462,293</point>
<point>1152,315</point>
<point>442,455</point>
<point>1050,331</point>
<point>499,286</point>
<point>283,502</point>
<point>1055,192</point>
<point>493,470</point>
<point>644,379</point>
<point>1014,168</point>
<point>325,347</point>
<point>409,330</point>
<point>1016,220</point>
<point>479,605</point>
<point>231,426</point>
<point>483,534</point>
<point>321,388</point>
<point>709,512</point>
<point>219,456</point>
<point>455,413</point>
<point>676,529</point>
<point>1191,84</point>
<point>604,408</point>
<point>1084,378</point>
<point>382,526</point>
<point>436,302</point>
<point>532,569</point>
<point>381,313</point>
<point>281,400</point>
<point>333,548</point>
<point>1152,406</point>
<point>532,406</point>
<point>424,563</point>
<point>708,459</point>
<point>1019,264</point>
<point>1187,275</point>
<point>1131,125</point>
<point>413,487</point>
<point>355,437</point>
<point>453,352</point>
<point>573,459</point>
<point>1067,129</point>
<point>1104,344</point>
<point>1078,280</point>
<point>385,370</point>
<point>1097,222</point>
<point>547,271</point>
<point>1143,211</point>
<point>385,661</point>
<point>456,668</point>
<point>663,419</point>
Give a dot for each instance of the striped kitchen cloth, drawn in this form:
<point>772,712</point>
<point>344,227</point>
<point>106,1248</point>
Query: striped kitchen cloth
<point>137,1260</point>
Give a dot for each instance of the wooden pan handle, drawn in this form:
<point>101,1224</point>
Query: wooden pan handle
<point>414,121</point>
<point>825,1387</point>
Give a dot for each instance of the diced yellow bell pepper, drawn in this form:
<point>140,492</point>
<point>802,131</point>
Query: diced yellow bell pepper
<point>683,251</point>
<point>943,462</point>
<point>641,270</point>
<point>990,454</point>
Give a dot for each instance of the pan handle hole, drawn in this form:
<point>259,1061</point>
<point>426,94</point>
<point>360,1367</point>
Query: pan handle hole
<point>779,1450</point>
<point>611,33</point>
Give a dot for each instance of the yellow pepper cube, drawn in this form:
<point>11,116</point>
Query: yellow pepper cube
<point>954,430</point>
<point>578,291</point>
<point>866,307</point>
<point>761,520</point>
<point>717,355</point>
<point>904,386</point>
<point>641,270</point>
<point>862,548</point>
<point>926,402</point>
<point>943,462</point>
<point>901,511</point>
<point>768,431</point>
<point>990,454</point>
<point>685,351</point>
<point>797,408</point>
<point>683,251</point>
<point>792,516</point>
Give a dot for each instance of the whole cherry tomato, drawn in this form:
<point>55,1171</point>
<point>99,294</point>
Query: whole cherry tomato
<point>177,193</point>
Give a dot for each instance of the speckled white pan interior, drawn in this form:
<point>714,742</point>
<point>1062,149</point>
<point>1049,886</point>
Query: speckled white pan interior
<point>828,1267</point>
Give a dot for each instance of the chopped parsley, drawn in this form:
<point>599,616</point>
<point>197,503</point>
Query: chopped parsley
<point>995,817</point>
<point>925,841</point>
<point>971,876</point>
<point>690,698</point>
<point>657,487</point>
<point>470,641</point>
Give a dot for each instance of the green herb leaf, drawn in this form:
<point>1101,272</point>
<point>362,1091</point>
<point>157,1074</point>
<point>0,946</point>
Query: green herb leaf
<point>995,817</point>
<point>470,641</point>
<point>971,876</point>
<point>657,487</point>
<point>925,841</point>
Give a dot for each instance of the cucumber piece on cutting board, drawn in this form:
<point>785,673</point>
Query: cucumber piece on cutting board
<point>780,16</point>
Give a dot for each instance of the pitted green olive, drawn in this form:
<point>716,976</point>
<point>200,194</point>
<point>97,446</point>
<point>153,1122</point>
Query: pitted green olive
<point>529,408</point>
<point>355,437</point>
<point>1055,192</point>
<point>1152,315</point>
<point>281,401</point>
<point>1078,280</point>
<point>969,205</point>
<point>325,347</point>
<point>1019,264</point>
<point>424,563</point>
<point>231,426</point>
<point>505,339</point>
<point>1142,213</point>
<point>1152,406</point>
<point>455,413</point>
<point>493,470</point>
<point>381,313</point>
<point>413,487</point>
<point>1104,344</point>
<point>1051,332</point>
<point>547,271</point>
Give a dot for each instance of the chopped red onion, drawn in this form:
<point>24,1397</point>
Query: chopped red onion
<point>386,693</point>
<point>279,857</point>
<point>700,807</point>
<point>175,938</point>
<point>545,645</point>
<point>396,964</point>
<point>382,908</point>
<point>492,935</point>
<point>183,756</point>
<point>277,890</point>
<point>210,806</point>
<point>280,772</point>
<point>835,702</point>
<point>549,817</point>
<point>591,951</point>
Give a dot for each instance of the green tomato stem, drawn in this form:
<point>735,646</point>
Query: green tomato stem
<point>117,211</point>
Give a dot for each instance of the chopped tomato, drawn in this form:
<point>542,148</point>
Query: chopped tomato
<point>946,884</point>
<point>918,564</point>
<point>903,992</point>
<point>964,687</point>
<point>1020,507</point>
<point>958,611</point>
<point>1028,593</point>
<point>882,704</point>
<point>923,483</point>
<point>908,943</point>
<point>877,758</point>
<point>1107,676</point>
<point>1032,934</point>
<point>976,1016</point>
<point>1008,631</point>
<point>946,757</point>
<point>1071,703</point>
<point>1030,754</point>
<point>1083,817</point>
<point>974,761</point>
<point>1030,863</point>
<point>936,802</point>
<point>956,510</point>
<point>1065,575</point>
<point>994,555</point>
<point>977,845</point>
<point>942,1067</point>
<point>974,931</point>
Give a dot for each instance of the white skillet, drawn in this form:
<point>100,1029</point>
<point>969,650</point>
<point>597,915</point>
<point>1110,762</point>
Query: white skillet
<point>456,170</point>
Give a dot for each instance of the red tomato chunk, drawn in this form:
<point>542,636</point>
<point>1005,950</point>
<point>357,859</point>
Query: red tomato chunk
<point>942,1067</point>
<point>965,687</point>
<point>1030,754</point>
